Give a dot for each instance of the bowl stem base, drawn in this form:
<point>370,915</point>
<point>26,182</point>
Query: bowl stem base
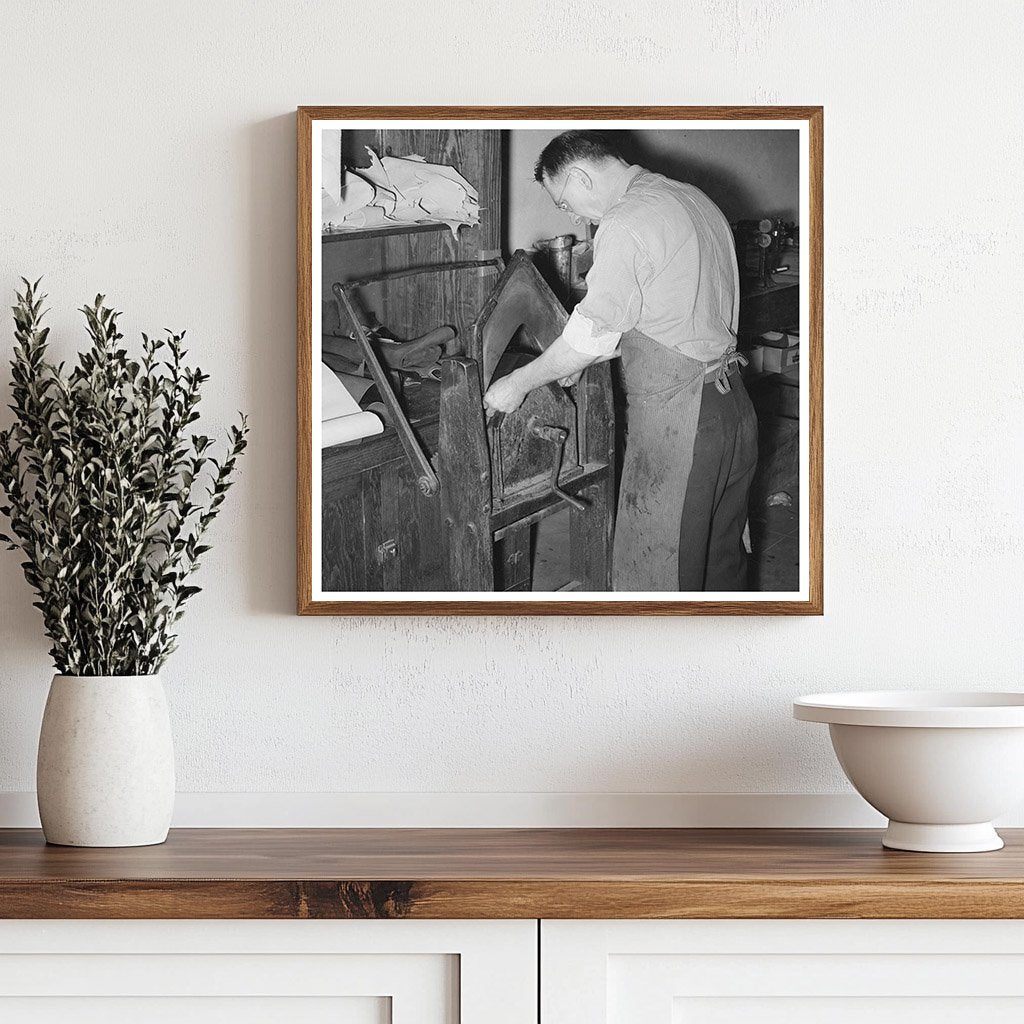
<point>978,838</point>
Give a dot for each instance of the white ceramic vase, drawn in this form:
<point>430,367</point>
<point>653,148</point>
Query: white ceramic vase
<point>105,771</point>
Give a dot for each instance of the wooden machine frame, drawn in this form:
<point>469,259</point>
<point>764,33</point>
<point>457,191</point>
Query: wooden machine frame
<point>461,389</point>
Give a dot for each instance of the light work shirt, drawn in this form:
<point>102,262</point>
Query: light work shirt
<point>665,265</point>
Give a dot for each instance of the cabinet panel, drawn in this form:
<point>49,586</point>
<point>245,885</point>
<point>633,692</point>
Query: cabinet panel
<point>190,1010</point>
<point>848,1010</point>
<point>308,972</point>
<point>797,972</point>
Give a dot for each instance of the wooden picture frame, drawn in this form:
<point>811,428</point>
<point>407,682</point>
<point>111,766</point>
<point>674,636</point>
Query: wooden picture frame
<point>476,528</point>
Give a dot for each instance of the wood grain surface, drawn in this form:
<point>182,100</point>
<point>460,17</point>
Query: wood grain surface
<point>508,873</point>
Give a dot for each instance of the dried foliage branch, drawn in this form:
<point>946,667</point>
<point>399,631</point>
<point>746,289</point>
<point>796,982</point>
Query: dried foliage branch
<point>108,494</point>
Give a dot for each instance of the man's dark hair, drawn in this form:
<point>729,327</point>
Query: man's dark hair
<point>567,148</point>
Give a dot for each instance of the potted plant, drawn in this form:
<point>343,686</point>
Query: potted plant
<point>109,495</point>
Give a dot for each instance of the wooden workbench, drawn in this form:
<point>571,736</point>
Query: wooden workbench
<point>507,873</point>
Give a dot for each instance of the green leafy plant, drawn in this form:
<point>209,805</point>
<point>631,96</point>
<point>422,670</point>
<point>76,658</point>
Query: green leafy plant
<point>109,495</point>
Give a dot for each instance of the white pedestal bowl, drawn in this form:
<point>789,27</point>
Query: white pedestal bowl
<point>940,766</point>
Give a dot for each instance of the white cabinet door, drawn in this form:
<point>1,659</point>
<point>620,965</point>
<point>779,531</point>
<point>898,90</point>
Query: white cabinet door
<point>258,972</point>
<point>782,972</point>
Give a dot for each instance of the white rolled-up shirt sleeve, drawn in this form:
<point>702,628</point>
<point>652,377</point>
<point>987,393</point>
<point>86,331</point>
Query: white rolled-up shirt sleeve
<point>615,284</point>
<point>582,335</point>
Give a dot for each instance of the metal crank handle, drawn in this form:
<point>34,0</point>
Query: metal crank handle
<point>557,436</point>
<point>575,502</point>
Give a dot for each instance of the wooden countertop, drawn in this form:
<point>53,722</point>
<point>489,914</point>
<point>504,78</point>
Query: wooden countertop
<point>508,873</point>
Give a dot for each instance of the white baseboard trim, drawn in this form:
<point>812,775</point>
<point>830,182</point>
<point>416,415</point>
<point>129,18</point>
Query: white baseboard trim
<point>504,810</point>
<point>495,810</point>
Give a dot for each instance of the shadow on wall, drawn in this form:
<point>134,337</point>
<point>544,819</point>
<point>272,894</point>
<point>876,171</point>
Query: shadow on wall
<point>268,316</point>
<point>748,174</point>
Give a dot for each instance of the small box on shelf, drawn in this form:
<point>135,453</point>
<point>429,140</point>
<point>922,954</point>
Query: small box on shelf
<point>774,352</point>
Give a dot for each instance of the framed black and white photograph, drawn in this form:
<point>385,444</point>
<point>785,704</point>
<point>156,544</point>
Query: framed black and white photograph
<point>559,360</point>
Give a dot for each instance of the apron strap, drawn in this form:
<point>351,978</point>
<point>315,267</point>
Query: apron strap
<point>720,371</point>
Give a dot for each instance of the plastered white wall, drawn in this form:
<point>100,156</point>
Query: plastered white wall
<point>148,152</point>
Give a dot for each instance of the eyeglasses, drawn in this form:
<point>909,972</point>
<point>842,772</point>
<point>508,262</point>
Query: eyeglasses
<point>560,204</point>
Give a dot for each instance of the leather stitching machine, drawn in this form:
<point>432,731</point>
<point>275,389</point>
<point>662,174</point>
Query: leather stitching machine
<point>496,480</point>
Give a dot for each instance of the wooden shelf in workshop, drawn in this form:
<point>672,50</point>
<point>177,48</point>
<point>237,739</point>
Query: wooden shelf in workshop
<point>344,234</point>
<point>507,873</point>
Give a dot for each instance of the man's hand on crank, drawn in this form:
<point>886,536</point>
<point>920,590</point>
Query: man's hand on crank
<point>505,395</point>
<point>559,361</point>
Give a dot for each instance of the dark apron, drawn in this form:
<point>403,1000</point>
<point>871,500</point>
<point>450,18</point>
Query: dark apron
<point>663,390</point>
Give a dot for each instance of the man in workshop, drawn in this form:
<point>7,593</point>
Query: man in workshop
<point>664,295</point>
